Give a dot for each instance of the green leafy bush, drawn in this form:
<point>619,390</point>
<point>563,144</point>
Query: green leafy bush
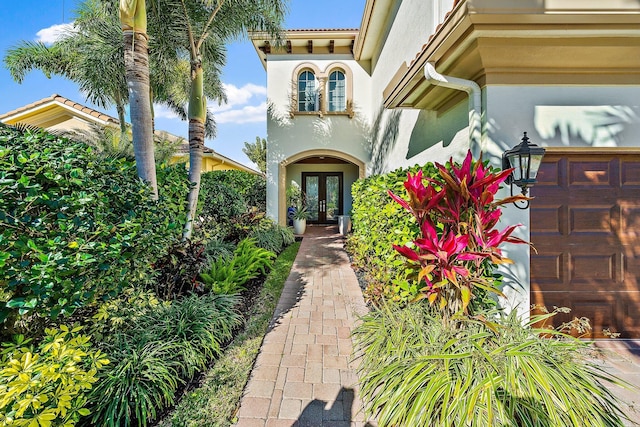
<point>227,277</point>
<point>74,226</point>
<point>178,269</point>
<point>253,188</point>
<point>47,386</point>
<point>272,236</point>
<point>219,249</point>
<point>418,371</point>
<point>218,205</point>
<point>378,224</point>
<point>120,314</point>
<point>165,346</point>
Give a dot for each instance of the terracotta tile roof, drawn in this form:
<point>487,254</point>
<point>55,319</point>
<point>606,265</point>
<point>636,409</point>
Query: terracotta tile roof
<point>431,37</point>
<point>323,30</point>
<point>62,100</point>
<point>184,149</point>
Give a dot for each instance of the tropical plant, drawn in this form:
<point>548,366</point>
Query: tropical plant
<point>302,213</point>
<point>165,347</point>
<point>47,386</point>
<point>133,18</point>
<point>110,142</point>
<point>177,271</point>
<point>219,249</point>
<point>200,28</point>
<point>257,153</point>
<point>271,235</point>
<point>418,371</point>
<point>457,249</point>
<point>229,277</point>
<point>89,53</point>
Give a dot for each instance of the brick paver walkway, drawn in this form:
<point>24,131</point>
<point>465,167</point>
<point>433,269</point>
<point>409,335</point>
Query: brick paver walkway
<point>304,374</point>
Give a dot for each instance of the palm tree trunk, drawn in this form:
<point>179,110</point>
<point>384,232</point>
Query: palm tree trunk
<point>121,118</point>
<point>197,119</point>
<point>136,60</point>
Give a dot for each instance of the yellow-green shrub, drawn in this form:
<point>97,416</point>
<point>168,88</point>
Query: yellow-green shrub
<point>46,386</point>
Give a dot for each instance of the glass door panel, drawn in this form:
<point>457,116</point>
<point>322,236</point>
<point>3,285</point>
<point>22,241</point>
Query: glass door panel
<point>324,194</point>
<point>311,190</point>
<point>332,197</point>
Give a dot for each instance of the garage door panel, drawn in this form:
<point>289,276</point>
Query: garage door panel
<point>630,173</point>
<point>600,309</point>
<point>594,268</point>
<point>600,220</point>
<point>550,267</point>
<point>585,225</point>
<point>630,218</point>
<point>549,220</point>
<point>551,173</point>
<point>591,174</point>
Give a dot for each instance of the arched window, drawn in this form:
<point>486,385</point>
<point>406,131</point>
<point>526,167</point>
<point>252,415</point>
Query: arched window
<point>337,91</point>
<point>307,92</point>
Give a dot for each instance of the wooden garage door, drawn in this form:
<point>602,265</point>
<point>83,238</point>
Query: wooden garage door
<point>585,225</point>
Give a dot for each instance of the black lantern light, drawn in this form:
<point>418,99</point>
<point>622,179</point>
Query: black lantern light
<point>525,159</point>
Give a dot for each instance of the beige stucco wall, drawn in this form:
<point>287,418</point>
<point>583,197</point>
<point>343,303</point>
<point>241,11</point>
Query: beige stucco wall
<point>288,136</point>
<point>404,137</point>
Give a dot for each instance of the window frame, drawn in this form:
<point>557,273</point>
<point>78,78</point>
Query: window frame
<point>315,88</point>
<point>339,101</point>
<point>322,86</point>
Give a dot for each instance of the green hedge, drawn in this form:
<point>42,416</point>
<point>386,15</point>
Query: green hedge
<point>379,223</point>
<point>75,226</point>
<point>252,188</point>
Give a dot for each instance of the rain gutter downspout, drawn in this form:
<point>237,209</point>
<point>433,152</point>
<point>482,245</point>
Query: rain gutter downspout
<point>475,103</point>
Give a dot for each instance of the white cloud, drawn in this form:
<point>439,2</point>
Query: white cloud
<point>53,33</point>
<point>237,96</point>
<point>247,114</point>
<point>236,110</point>
<point>162,112</point>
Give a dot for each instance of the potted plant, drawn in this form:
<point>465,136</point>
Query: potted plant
<point>297,210</point>
<point>300,220</point>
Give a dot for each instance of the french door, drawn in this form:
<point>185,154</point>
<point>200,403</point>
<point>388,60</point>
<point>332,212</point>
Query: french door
<point>324,196</point>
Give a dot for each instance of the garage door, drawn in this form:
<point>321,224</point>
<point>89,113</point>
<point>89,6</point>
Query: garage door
<point>585,225</point>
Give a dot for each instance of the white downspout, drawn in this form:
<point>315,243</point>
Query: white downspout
<point>475,103</point>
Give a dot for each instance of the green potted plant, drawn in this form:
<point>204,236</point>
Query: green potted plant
<point>300,219</point>
<point>297,210</point>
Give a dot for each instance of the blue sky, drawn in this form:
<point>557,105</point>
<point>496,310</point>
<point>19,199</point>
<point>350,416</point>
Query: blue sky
<point>242,119</point>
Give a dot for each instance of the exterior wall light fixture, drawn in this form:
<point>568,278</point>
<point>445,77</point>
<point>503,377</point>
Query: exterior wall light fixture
<point>525,159</point>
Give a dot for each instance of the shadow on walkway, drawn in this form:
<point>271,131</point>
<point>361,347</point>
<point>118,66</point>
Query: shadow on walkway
<point>335,413</point>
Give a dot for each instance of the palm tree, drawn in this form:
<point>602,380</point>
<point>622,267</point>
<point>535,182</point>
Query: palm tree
<point>133,18</point>
<point>85,54</point>
<point>257,153</point>
<point>198,29</point>
<point>108,142</point>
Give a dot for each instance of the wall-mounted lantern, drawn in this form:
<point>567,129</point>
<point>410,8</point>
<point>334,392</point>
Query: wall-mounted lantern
<point>525,159</point>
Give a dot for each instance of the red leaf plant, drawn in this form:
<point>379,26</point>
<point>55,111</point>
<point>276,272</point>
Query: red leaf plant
<point>458,246</point>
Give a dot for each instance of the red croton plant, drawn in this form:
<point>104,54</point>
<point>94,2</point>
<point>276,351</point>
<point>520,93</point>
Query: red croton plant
<point>458,246</point>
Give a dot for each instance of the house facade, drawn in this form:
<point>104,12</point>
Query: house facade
<point>425,80</point>
<point>57,113</point>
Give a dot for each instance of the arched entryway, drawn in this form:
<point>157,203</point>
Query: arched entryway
<point>327,175</point>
